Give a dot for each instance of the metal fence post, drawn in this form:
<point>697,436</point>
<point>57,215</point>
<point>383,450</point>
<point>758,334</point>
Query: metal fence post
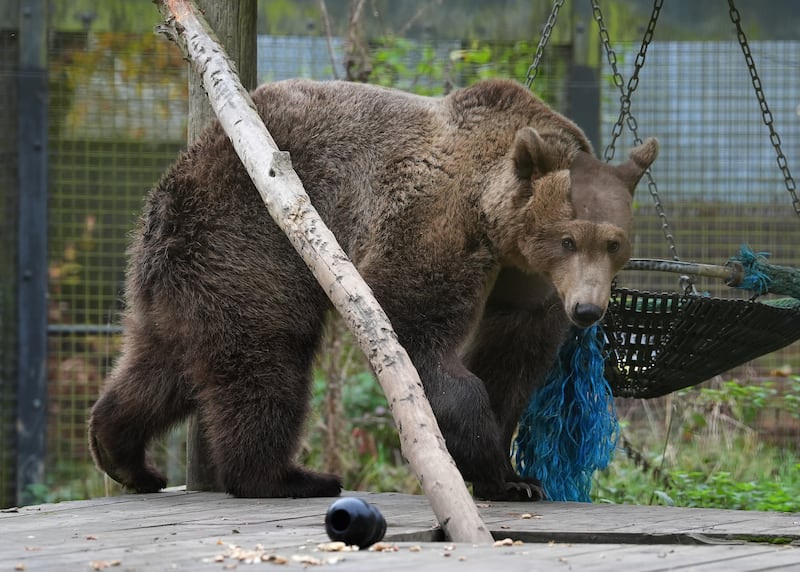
<point>32,248</point>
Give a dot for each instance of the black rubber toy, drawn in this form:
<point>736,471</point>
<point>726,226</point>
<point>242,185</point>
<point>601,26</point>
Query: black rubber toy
<point>355,522</point>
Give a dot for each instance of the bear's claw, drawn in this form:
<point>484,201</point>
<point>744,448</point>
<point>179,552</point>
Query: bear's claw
<point>520,489</point>
<point>524,491</point>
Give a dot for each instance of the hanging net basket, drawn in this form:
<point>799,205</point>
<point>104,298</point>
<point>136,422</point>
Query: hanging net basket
<point>658,343</point>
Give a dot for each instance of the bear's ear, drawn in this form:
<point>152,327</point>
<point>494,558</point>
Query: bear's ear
<point>530,159</point>
<point>639,161</point>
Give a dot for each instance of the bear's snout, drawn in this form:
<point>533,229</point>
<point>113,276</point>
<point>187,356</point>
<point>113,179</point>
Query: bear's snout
<point>584,315</point>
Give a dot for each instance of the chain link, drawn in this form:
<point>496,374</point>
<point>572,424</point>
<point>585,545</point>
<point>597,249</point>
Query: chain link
<point>625,115</point>
<point>766,114</point>
<point>533,69</point>
<point>633,82</point>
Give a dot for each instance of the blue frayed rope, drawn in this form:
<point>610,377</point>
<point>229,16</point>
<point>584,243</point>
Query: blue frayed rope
<point>570,428</point>
<point>755,279</point>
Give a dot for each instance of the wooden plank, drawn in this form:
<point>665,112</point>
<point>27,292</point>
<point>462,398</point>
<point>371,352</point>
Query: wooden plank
<point>176,530</point>
<point>581,522</point>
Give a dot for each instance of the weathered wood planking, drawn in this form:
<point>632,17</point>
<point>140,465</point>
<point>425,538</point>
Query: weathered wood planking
<point>176,530</point>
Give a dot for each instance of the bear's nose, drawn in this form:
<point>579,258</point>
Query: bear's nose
<point>586,314</point>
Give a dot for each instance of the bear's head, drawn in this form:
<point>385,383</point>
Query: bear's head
<point>569,219</point>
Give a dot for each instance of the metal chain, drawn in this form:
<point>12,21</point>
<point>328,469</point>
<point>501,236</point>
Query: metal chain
<point>633,82</point>
<point>766,114</point>
<point>533,69</point>
<point>625,115</point>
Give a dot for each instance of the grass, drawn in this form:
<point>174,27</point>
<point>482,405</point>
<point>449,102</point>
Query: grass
<point>702,447</point>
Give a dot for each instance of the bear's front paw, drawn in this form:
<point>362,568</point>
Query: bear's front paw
<point>520,489</point>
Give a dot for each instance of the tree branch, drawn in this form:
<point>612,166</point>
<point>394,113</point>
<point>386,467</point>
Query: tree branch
<point>283,193</point>
<point>326,22</point>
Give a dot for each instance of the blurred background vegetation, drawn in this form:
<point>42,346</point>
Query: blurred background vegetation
<point>117,117</point>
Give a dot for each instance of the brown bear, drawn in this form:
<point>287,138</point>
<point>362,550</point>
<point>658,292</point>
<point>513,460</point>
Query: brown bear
<point>481,221</point>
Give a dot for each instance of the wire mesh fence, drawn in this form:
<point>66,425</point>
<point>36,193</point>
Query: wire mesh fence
<point>717,173</point>
<point>118,119</point>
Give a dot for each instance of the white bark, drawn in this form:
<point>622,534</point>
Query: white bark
<point>285,198</point>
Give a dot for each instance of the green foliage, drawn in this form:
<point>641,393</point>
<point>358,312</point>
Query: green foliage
<point>419,68</point>
<point>721,490</point>
<point>792,397</point>
<point>745,401</point>
<point>719,460</point>
<point>69,480</point>
<point>351,431</point>
<point>406,65</point>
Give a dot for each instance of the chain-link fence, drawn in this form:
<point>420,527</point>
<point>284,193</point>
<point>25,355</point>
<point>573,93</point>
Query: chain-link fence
<point>118,118</point>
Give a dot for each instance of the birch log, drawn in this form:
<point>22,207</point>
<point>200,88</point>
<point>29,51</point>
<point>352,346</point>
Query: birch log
<point>285,198</point>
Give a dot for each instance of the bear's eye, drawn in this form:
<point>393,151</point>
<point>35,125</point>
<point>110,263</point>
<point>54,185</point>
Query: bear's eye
<point>613,246</point>
<point>568,244</point>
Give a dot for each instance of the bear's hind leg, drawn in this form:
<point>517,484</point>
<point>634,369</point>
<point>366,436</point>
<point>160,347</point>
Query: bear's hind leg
<point>143,398</point>
<point>254,436</point>
<point>253,403</point>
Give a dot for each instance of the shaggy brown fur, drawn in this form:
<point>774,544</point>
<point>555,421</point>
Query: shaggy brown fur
<point>476,219</point>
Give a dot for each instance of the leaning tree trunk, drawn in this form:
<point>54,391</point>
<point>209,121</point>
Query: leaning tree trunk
<point>289,205</point>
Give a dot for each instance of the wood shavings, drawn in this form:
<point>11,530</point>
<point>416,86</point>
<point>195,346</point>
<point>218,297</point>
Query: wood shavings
<point>384,547</point>
<point>507,542</point>
<point>103,564</point>
<point>336,546</point>
<point>235,554</point>
<point>307,560</point>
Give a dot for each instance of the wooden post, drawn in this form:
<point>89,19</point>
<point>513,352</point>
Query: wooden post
<point>289,205</point>
<point>583,77</point>
<point>234,23</point>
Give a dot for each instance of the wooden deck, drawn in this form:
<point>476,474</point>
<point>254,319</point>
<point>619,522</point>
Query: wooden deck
<point>176,530</point>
